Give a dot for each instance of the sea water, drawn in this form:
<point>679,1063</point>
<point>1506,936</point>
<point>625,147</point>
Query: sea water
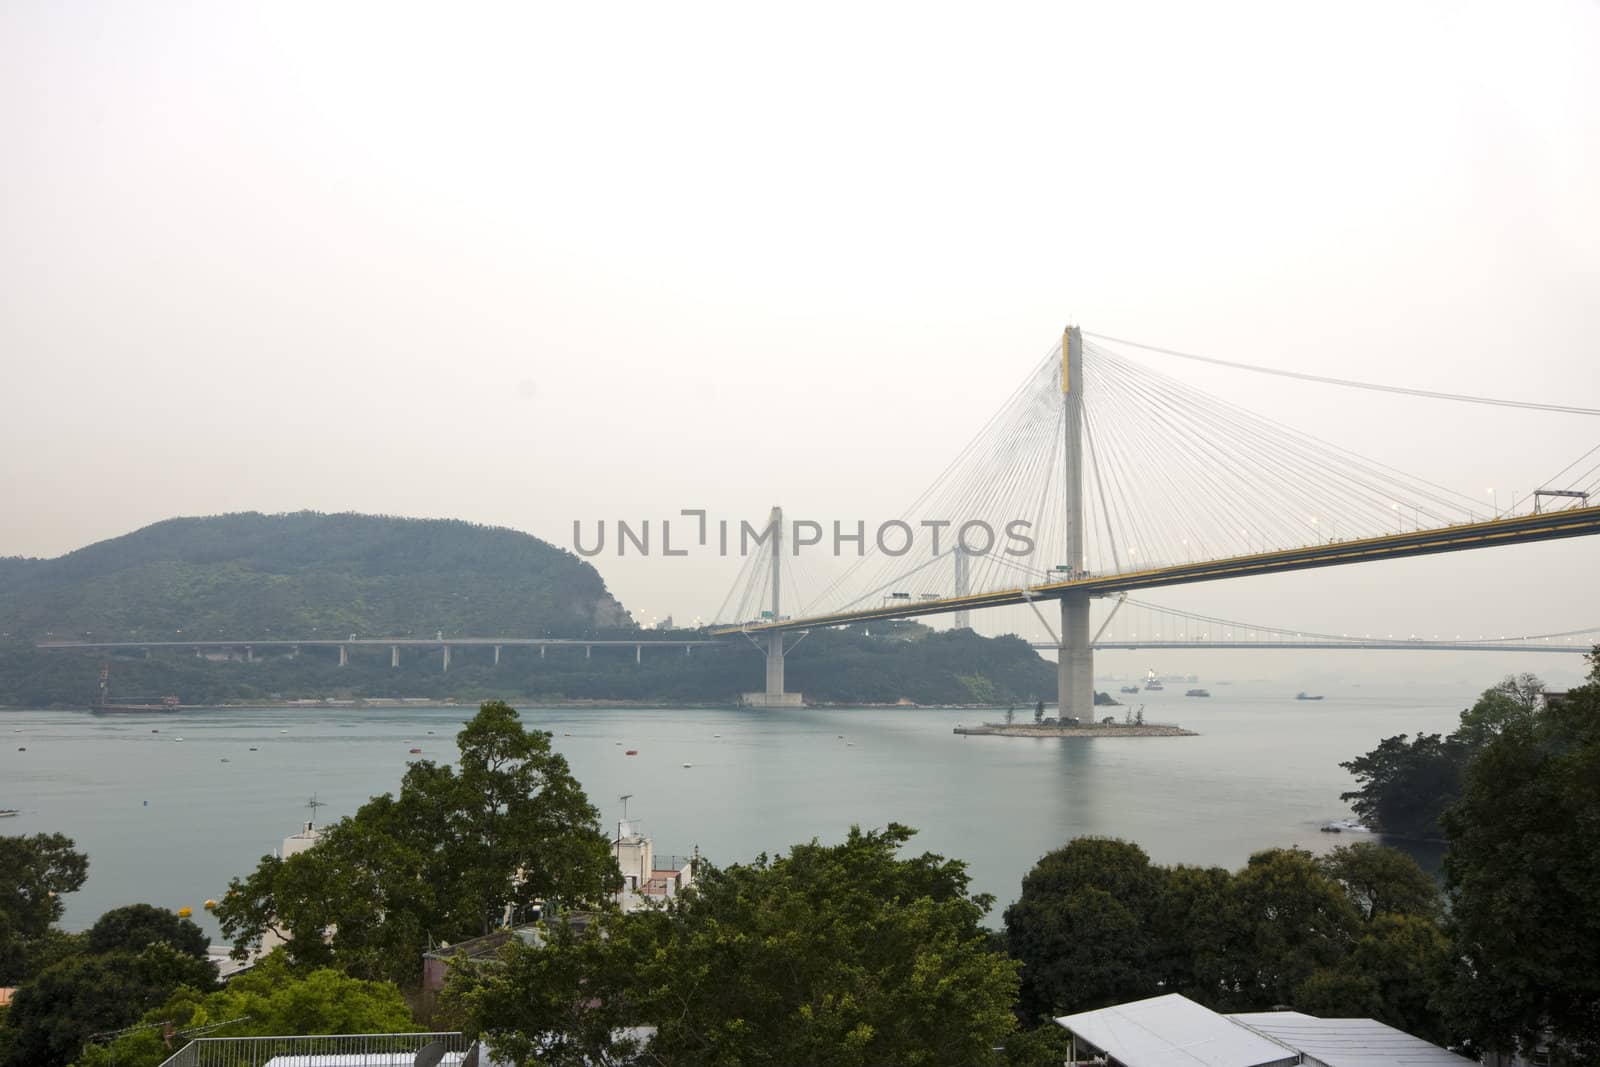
<point>169,821</point>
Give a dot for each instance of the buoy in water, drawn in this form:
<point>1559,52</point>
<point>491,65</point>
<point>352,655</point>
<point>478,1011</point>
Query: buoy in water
<point>185,911</point>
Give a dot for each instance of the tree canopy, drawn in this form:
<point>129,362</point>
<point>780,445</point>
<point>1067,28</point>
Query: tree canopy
<point>1097,923</point>
<point>57,1010</point>
<point>447,859</point>
<point>34,873</point>
<point>1406,785</point>
<point>268,1000</point>
<point>1523,871</point>
<point>844,954</point>
<point>136,927</point>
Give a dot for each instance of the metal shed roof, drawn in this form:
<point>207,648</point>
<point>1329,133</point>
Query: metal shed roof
<point>1348,1042</point>
<point>1173,1031</point>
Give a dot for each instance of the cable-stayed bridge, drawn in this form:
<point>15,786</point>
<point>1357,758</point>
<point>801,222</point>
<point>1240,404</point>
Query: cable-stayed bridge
<point>1099,477</point>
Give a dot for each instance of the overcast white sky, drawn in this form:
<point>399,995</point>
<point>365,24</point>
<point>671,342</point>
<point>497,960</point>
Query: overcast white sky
<point>526,264</point>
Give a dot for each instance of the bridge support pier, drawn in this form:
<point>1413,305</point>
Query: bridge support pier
<point>497,655</point>
<point>344,655</point>
<point>774,696</point>
<point>446,658</point>
<point>638,653</point>
<point>963,584</point>
<point>249,654</point>
<point>1075,661</point>
<point>394,655</point>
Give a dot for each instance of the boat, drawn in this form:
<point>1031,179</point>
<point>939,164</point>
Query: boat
<point>416,752</point>
<point>6,813</point>
<point>104,704</point>
<point>1306,696</point>
<point>1340,826</point>
<point>1152,683</point>
<point>1130,689</point>
<point>631,752</point>
<point>1197,693</point>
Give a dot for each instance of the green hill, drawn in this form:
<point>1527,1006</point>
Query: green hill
<point>306,574</point>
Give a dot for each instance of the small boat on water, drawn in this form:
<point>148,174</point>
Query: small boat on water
<point>1339,826</point>
<point>1152,683</point>
<point>1197,693</point>
<point>416,752</point>
<point>631,752</point>
<point>1130,689</point>
<point>6,813</point>
<point>1306,696</point>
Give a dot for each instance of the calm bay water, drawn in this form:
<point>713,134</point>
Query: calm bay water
<point>169,822</point>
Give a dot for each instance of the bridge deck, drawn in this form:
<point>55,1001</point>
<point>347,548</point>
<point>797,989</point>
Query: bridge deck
<point>1519,529</point>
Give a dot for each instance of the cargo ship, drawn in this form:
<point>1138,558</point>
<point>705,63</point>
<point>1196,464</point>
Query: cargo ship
<point>104,703</point>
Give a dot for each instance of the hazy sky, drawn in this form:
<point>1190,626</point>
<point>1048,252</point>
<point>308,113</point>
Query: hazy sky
<point>526,264</point>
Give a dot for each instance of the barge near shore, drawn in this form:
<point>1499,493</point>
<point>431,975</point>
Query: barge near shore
<point>1108,729</point>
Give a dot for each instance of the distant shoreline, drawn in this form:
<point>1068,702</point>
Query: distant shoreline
<point>369,703</point>
<point>1113,729</point>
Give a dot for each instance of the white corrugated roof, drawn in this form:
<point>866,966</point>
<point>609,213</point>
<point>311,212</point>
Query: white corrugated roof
<point>1173,1031</point>
<point>1349,1042</point>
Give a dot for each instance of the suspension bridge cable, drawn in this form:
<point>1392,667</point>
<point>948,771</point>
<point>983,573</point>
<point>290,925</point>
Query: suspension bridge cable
<point>1431,394</point>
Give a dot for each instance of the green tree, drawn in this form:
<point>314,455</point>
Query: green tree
<point>1195,929</point>
<point>270,999</point>
<point>846,954</point>
<point>1405,786</point>
<point>135,927</point>
<point>1081,928</point>
<point>444,861</point>
<point>1397,972</point>
<point>1382,881</point>
<point>56,1011</point>
<point>34,873</point>
<point>1523,872</point>
<point>1294,920</point>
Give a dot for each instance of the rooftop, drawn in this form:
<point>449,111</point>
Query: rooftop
<point>1348,1042</point>
<point>1173,1031</point>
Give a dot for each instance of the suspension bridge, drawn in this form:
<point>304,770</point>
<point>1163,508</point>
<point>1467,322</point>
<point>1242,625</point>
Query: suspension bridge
<point>1099,477</point>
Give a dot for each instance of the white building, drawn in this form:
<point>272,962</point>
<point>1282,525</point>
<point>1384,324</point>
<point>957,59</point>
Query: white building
<point>646,880</point>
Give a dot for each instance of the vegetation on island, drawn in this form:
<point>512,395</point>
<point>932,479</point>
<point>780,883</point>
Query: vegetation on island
<point>327,577</point>
<point>305,574</point>
<point>1406,784</point>
<point>885,665</point>
<point>853,953</point>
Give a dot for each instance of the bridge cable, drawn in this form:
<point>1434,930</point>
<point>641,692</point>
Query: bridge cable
<point>1530,405</point>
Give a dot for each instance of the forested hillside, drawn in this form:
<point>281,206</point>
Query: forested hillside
<point>309,575</point>
<point>302,575</point>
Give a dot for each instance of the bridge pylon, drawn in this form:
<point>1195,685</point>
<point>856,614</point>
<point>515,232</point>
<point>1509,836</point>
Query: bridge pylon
<point>774,696</point>
<point>1074,652</point>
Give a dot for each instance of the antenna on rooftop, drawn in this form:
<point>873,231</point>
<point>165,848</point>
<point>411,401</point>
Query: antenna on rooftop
<point>625,798</point>
<point>313,804</point>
